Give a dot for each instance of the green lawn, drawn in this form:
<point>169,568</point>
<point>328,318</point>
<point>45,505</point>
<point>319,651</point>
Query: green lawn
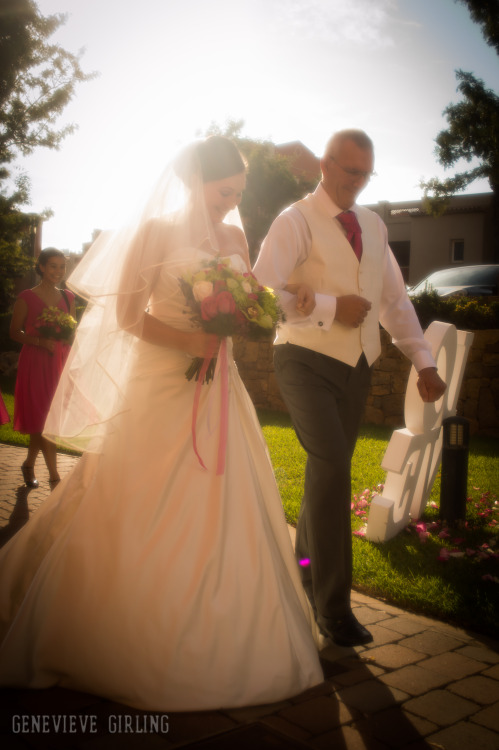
<point>451,574</point>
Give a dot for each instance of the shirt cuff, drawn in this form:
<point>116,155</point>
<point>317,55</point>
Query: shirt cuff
<point>423,359</point>
<point>324,311</point>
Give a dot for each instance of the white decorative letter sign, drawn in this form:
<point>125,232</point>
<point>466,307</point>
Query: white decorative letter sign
<point>413,454</point>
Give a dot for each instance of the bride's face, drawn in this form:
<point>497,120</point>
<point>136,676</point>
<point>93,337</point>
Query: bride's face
<point>221,196</point>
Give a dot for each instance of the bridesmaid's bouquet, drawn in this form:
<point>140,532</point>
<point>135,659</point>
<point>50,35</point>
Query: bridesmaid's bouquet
<point>53,323</point>
<point>228,303</point>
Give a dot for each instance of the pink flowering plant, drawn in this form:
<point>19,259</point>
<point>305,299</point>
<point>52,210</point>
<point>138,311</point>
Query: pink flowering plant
<point>474,538</point>
<point>53,323</point>
<point>228,303</point>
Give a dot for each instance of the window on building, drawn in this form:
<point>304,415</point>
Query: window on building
<point>402,251</point>
<point>457,251</point>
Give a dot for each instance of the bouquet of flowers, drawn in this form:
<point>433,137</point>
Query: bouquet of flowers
<point>53,323</point>
<point>228,303</point>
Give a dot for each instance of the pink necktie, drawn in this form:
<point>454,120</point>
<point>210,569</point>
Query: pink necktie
<point>349,222</point>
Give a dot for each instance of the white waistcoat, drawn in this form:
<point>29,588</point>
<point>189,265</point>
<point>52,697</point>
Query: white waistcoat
<point>332,268</point>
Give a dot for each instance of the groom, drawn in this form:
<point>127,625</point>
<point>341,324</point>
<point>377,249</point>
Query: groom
<point>338,279</point>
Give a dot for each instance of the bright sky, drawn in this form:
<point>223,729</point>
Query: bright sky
<point>291,69</point>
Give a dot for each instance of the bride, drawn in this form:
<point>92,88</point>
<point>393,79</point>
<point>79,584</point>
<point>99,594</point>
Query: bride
<point>146,578</point>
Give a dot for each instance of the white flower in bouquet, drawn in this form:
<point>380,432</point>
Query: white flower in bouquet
<point>201,290</point>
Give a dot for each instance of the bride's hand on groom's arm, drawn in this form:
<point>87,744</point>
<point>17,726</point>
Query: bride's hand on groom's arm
<point>305,297</point>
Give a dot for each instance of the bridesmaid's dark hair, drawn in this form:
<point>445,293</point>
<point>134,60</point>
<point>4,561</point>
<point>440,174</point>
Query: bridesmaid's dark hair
<point>49,252</point>
<point>217,157</point>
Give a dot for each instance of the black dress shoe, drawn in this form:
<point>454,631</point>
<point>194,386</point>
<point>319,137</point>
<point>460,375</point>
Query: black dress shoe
<point>347,632</point>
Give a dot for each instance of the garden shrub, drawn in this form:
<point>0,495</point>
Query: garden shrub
<point>466,313</point>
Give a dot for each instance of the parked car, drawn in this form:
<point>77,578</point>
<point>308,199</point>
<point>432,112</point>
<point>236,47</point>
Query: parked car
<point>470,281</point>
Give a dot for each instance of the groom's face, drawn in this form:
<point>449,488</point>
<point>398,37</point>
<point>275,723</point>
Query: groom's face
<point>346,170</point>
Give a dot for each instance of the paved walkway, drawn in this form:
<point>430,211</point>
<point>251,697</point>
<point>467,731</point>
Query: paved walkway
<point>421,684</point>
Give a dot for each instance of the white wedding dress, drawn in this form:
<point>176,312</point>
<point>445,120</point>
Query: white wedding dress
<point>149,580</point>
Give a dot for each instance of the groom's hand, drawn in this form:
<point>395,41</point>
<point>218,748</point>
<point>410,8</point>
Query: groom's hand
<point>430,385</point>
<point>351,310</point>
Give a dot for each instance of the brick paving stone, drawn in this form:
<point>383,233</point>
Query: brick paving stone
<point>339,655</point>
<point>381,636</point>
<point>452,665</point>
<point>493,672</point>
<point>441,707</point>
<point>192,726</point>
<point>445,627</point>
<point>318,715</point>
<point>413,679</point>
<point>346,738</point>
<point>330,668</point>
<point>480,653</point>
<point>123,742</point>
<point>488,717</point>
<point>367,615</point>
<point>477,688</point>
<point>354,676</point>
<point>464,735</point>
<point>324,688</point>
<point>388,609</point>
<point>403,625</point>
<point>432,642</point>
<point>348,664</point>
<point>371,696</point>
<point>396,728</point>
<point>394,657</point>
<point>286,727</point>
<point>253,713</point>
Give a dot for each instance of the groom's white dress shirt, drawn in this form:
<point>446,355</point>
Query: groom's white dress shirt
<point>288,248</point>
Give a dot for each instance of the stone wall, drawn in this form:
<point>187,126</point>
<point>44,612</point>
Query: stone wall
<point>479,398</point>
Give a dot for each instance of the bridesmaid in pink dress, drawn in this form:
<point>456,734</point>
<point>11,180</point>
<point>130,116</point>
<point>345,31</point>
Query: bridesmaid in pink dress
<point>41,361</point>
<point>4,414</point>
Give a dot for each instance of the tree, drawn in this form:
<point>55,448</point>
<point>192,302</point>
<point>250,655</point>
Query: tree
<point>485,13</point>
<point>270,187</point>
<point>37,81</point>
<point>15,259</point>
<point>473,129</point>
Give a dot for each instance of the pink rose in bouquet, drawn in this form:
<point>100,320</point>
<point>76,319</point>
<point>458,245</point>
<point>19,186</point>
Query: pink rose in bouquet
<point>227,302</point>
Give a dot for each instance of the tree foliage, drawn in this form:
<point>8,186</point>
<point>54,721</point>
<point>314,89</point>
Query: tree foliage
<point>270,187</point>
<point>16,237</point>
<point>37,80</point>
<point>485,13</point>
<point>472,135</point>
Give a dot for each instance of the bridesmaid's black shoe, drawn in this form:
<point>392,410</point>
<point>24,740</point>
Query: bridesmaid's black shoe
<point>29,476</point>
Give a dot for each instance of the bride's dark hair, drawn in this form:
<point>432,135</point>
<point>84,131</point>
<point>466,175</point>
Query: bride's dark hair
<point>216,157</point>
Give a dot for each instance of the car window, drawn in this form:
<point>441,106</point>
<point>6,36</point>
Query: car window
<point>464,276</point>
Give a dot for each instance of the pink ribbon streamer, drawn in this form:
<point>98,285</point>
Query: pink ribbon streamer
<point>224,409</point>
